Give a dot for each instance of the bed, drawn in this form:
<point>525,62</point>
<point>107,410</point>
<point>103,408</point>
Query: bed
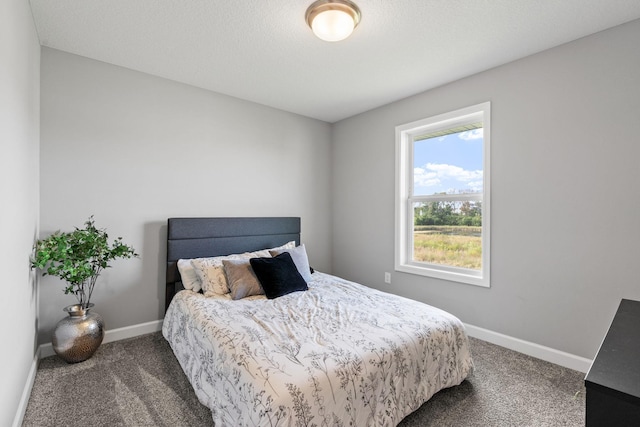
<point>336,354</point>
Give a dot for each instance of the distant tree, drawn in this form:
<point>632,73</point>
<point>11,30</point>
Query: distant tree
<point>446,213</point>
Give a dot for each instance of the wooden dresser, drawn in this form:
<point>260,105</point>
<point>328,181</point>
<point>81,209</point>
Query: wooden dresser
<point>613,381</point>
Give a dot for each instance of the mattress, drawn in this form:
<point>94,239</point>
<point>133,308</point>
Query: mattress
<point>338,354</point>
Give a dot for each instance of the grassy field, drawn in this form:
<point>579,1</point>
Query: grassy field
<point>454,246</point>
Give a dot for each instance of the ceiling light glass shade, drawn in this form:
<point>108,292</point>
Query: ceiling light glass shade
<point>333,20</point>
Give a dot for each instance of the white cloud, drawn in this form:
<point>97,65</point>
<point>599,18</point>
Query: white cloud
<point>425,178</point>
<point>475,185</point>
<point>472,134</point>
<point>436,175</point>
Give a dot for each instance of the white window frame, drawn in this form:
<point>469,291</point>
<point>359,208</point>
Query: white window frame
<point>404,220</point>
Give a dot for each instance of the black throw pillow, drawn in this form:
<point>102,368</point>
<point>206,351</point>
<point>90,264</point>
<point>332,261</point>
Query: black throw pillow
<point>278,275</point>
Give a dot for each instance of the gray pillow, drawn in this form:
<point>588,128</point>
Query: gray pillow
<point>300,259</point>
<point>242,280</point>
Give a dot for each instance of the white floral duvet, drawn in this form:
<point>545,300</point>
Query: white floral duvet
<point>339,354</point>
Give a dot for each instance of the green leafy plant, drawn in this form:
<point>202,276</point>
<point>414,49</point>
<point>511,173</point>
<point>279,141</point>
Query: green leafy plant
<point>78,257</point>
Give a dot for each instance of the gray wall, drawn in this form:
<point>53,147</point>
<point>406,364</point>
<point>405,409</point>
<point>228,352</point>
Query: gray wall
<point>134,150</point>
<point>19,140</point>
<point>565,192</point>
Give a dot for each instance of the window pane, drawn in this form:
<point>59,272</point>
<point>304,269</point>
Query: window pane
<point>448,233</point>
<point>449,164</point>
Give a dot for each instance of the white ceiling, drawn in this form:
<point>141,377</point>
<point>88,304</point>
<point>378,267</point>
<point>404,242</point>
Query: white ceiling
<point>263,51</point>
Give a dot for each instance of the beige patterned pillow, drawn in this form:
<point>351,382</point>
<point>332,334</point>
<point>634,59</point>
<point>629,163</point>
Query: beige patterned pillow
<point>211,274</point>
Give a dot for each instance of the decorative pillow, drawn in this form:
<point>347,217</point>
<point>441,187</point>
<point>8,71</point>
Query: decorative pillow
<point>278,275</point>
<point>188,275</point>
<point>242,280</point>
<point>211,274</point>
<point>300,259</point>
<point>210,271</point>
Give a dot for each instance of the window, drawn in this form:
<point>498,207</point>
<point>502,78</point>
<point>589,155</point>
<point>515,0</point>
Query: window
<point>442,196</point>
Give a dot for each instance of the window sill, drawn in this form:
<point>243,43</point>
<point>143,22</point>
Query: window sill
<point>453,276</point>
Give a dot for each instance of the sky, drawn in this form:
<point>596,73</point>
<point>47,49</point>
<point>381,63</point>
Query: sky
<point>450,164</point>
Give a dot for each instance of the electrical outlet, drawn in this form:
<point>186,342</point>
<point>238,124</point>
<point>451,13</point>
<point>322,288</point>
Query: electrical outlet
<point>387,278</point>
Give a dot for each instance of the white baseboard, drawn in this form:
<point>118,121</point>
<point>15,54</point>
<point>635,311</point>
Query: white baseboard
<point>111,335</point>
<point>538,351</point>
<point>26,392</point>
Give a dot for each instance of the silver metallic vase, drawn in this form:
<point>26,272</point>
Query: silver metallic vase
<point>78,336</point>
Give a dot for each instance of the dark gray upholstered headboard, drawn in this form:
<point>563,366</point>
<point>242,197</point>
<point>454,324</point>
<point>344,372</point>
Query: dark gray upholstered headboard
<point>208,237</point>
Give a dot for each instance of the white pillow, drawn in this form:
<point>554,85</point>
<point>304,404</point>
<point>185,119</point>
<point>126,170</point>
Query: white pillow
<point>188,275</point>
<point>266,253</point>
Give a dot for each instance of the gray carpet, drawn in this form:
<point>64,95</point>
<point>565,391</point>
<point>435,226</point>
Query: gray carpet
<point>138,382</point>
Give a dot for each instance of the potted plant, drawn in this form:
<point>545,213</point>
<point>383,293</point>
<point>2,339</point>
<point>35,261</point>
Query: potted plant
<point>78,257</point>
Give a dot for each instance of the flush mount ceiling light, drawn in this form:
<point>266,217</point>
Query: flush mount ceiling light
<point>333,20</point>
